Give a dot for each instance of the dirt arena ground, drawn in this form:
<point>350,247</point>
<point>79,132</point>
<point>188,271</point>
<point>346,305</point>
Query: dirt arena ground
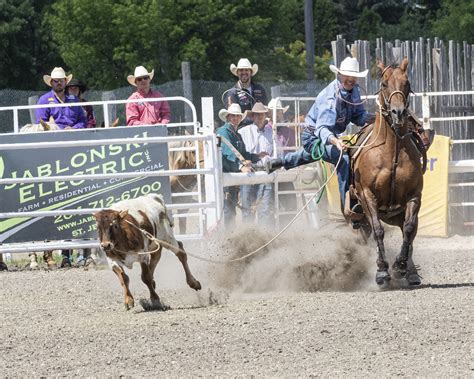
<point>308,306</point>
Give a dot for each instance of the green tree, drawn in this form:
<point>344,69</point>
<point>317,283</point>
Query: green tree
<point>27,51</point>
<point>455,20</point>
<point>161,33</point>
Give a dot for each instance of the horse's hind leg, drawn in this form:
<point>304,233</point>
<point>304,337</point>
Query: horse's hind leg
<point>409,229</point>
<point>369,204</point>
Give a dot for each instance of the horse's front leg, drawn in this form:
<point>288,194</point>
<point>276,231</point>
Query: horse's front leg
<point>409,229</point>
<point>369,203</point>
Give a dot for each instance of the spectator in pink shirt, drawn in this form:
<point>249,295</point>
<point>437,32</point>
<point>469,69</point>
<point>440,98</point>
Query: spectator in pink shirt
<point>146,113</point>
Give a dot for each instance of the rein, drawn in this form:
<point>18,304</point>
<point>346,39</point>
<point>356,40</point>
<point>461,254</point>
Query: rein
<point>177,249</point>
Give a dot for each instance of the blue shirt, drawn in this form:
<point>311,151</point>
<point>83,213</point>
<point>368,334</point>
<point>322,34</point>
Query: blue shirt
<point>330,115</point>
<point>230,162</point>
<point>63,116</point>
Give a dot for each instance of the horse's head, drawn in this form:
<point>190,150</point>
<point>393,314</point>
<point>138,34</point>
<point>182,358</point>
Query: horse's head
<point>394,90</point>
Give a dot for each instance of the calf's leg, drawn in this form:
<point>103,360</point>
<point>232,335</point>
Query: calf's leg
<point>183,258</point>
<point>124,281</point>
<point>147,278</point>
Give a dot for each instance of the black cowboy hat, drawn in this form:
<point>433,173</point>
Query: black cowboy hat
<point>77,83</point>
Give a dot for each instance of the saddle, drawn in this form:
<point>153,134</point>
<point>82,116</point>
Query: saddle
<point>421,138</point>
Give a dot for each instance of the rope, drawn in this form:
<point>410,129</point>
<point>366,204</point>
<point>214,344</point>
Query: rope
<point>177,249</point>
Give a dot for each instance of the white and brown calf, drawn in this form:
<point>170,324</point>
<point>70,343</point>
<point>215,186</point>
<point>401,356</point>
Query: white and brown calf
<point>124,244</point>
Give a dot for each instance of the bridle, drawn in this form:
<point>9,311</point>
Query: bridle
<point>386,101</point>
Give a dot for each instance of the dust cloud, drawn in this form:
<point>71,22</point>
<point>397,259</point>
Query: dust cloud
<point>301,259</point>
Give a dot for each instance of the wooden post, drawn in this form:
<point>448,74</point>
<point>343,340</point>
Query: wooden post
<point>309,37</point>
<point>187,92</point>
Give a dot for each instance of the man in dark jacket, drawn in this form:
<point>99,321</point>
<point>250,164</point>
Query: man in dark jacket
<point>245,92</point>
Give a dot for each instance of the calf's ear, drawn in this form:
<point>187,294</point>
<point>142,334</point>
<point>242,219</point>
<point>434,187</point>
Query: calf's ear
<point>123,213</point>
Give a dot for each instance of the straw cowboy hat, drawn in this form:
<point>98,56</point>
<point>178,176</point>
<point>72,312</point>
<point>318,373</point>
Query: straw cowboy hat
<point>349,67</point>
<point>276,104</point>
<point>234,108</point>
<point>57,73</point>
<point>244,63</point>
<point>139,72</point>
<point>259,108</point>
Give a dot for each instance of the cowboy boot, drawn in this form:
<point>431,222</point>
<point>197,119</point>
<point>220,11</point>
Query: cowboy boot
<point>426,137</point>
<point>273,164</point>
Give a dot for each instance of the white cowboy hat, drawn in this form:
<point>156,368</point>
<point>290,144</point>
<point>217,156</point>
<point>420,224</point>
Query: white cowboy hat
<point>139,72</point>
<point>234,108</point>
<point>276,104</point>
<point>244,63</point>
<point>57,73</point>
<point>349,67</point>
<point>259,108</point>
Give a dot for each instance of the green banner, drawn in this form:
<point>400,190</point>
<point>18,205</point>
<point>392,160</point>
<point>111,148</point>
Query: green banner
<point>61,161</point>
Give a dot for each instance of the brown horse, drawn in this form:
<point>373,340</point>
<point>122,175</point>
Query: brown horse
<point>182,160</point>
<point>388,174</point>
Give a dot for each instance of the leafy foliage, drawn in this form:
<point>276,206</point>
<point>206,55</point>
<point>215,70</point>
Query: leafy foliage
<point>455,20</point>
<point>102,42</point>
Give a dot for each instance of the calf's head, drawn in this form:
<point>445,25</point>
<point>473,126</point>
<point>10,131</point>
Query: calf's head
<point>110,226</point>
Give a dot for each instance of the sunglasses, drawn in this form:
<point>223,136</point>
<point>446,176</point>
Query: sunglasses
<point>142,78</point>
<point>57,80</point>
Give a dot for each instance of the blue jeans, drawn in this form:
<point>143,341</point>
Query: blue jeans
<point>331,154</point>
<point>262,194</point>
<point>231,199</point>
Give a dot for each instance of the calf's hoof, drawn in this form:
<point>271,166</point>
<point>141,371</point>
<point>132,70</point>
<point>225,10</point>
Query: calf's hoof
<point>195,285</point>
<point>3,266</point>
<point>382,278</point>
<point>129,303</point>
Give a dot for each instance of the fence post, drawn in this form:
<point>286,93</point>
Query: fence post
<point>425,108</point>
<point>187,92</point>
<point>213,182</point>
<point>275,91</point>
<point>32,100</point>
<point>110,111</point>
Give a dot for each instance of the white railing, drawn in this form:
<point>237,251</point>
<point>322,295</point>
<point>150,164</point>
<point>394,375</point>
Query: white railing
<point>105,105</point>
<point>208,210</point>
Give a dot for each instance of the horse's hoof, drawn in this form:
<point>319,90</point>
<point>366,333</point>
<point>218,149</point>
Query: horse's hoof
<point>3,266</point>
<point>382,278</point>
<point>413,279</point>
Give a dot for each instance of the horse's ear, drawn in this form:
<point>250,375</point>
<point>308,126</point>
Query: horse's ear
<point>380,65</point>
<point>404,64</point>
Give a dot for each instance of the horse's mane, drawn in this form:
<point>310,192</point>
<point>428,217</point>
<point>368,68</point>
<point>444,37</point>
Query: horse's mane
<point>36,128</point>
<point>181,159</point>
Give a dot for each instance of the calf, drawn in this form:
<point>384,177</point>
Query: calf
<point>125,244</point>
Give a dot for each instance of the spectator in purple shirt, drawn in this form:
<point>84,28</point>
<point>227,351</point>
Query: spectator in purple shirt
<point>64,117</point>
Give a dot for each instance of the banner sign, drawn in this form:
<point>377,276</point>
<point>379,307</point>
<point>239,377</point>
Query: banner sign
<point>433,215</point>
<point>61,195</point>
